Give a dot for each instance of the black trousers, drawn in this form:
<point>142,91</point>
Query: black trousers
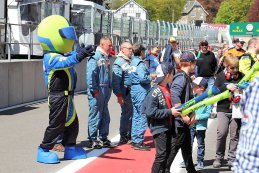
<point>58,105</point>
<point>181,139</point>
<point>163,146</point>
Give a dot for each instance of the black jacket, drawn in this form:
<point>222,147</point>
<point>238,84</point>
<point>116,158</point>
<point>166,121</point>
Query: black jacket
<point>224,105</point>
<point>157,112</point>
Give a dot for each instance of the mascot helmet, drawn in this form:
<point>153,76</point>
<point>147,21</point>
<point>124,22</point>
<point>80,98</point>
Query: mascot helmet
<point>56,35</point>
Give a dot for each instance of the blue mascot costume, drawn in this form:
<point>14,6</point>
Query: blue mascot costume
<point>57,38</point>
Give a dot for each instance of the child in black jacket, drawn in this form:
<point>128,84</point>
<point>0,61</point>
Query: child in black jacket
<point>158,109</point>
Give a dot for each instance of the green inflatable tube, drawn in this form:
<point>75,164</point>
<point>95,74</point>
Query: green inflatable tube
<point>221,96</point>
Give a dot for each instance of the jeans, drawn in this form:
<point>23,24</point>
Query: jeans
<point>200,135</point>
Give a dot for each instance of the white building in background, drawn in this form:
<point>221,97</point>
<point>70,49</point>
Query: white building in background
<point>132,9</point>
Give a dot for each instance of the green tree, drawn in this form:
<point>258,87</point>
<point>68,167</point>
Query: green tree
<point>117,4</point>
<point>233,11</point>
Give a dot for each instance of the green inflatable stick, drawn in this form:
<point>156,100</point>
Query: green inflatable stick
<point>221,96</point>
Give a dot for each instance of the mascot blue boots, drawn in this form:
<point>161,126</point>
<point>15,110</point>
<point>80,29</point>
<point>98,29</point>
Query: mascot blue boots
<point>57,38</point>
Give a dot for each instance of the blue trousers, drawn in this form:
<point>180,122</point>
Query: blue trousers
<point>99,116</point>
<point>139,121</point>
<point>200,135</point>
<point>126,116</point>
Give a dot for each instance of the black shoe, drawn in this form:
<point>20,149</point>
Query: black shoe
<point>140,146</point>
<point>107,144</point>
<point>97,145</point>
<point>124,140</point>
<point>89,144</point>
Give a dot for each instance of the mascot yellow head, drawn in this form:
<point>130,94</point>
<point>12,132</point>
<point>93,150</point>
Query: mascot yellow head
<point>56,35</point>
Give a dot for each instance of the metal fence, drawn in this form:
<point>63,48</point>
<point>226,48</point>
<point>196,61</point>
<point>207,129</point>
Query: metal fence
<point>92,25</point>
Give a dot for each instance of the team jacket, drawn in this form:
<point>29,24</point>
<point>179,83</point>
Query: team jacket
<point>236,52</point>
<point>98,72</point>
<point>139,73</point>
<point>120,76</point>
<point>156,110</point>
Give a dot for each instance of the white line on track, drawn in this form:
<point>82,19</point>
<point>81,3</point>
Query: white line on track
<point>78,164</point>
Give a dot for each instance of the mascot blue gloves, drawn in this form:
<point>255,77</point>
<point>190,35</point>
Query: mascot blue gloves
<point>57,38</point>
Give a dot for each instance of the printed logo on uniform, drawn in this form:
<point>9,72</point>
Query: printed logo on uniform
<point>125,67</point>
<point>63,58</point>
<point>132,69</point>
<point>101,62</point>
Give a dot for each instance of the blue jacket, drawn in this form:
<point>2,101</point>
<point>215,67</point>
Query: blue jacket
<point>168,55</point>
<point>98,72</point>
<point>202,115</point>
<point>53,64</point>
<point>60,76</point>
<point>157,112</point>
<point>120,77</point>
<point>153,63</point>
<point>139,73</point>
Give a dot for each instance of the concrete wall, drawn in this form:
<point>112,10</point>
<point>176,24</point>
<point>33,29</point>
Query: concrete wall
<point>22,82</point>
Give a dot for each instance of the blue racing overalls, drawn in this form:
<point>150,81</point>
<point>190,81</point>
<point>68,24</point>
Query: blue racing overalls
<point>98,82</point>
<point>121,87</point>
<point>140,84</point>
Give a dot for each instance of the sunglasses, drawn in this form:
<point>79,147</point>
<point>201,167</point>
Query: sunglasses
<point>204,45</point>
<point>233,68</point>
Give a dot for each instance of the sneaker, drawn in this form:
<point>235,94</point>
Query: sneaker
<point>107,144</point>
<point>217,163</point>
<point>94,144</point>
<point>129,139</point>
<point>97,145</point>
<point>124,140</point>
<point>140,146</point>
<point>200,165</point>
<point>230,165</point>
<point>182,165</point>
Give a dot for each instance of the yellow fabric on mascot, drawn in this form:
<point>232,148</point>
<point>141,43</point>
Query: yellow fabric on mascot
<point>57,38</point>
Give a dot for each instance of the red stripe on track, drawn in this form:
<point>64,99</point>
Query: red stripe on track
<point>123,159</point>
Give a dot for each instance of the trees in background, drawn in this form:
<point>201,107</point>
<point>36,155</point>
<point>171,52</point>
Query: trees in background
<point>226,11</point>
<point>167,10</point>
<point>253,13</point>
<point>233,11</point>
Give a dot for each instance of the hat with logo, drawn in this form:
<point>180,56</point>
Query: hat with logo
<point>200,81</point>
<point>188,56</point>
<point>204,43</point>
<point>236,40</point>
<point>162,70</point>
<point>172,40</point>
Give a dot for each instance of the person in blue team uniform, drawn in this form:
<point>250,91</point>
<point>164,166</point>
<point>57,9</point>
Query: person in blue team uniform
<point>121,88</point>
<point>57,39</point>
<point>99,92</point>
<point>153,60</point>
<point>140,83</point>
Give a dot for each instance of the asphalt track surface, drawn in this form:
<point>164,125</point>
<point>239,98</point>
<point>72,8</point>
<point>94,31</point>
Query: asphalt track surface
<point>22,129</point>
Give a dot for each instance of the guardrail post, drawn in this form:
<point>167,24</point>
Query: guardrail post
<point>9,43</point>
<point>30,43</point>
